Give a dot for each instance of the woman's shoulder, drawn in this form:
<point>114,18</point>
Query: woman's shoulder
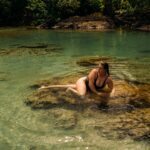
<point>109,79</point>
<point>94,70</point>
<point>92,73</point>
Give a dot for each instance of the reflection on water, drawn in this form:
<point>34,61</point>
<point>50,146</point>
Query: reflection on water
<point>24,128</point>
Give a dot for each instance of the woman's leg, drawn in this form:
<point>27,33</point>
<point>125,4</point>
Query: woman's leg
<point>58,86</point>
<point>80,88</point>
<point>72,90</point>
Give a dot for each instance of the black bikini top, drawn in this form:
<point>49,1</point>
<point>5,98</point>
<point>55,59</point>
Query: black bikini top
<point>102,86</point>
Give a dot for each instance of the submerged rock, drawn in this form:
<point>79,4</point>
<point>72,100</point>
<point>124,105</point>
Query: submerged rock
<point>34,46</point>
<point>39,49</point>
<point>135,124</point>
<point>64,119</point>
<point>142,98</point>
<point>123,118</point>
<point>92,61</point>
<point>4,76</point>
<point>125,93</point>
<point>128,114</point>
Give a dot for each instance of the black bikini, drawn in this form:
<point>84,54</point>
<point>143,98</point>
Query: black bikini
<point>96,87</point>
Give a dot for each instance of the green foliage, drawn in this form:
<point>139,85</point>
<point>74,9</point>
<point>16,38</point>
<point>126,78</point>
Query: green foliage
<point>5,7</point>
<point>17,11</point>
<point>140,4</point>
<point>108,8</point>
<point>64,8</point>
<point>95,5</point>
<point>130,6</point>
<point>11,11</point>
<point>91,6</point>
<point>125,7</point>
<point>23,12</point>
<point>36,11</point>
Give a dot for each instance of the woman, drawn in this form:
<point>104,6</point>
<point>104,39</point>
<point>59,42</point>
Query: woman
<point>98,82</point>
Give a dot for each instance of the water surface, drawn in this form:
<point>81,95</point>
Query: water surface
<point>26,129</point>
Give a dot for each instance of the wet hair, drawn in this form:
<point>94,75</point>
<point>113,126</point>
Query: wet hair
<point>105,66</point>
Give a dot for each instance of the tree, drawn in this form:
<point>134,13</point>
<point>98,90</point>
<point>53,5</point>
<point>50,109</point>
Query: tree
<point>5,13</point>
<point>91,6</point>
<point>108,9</point>
<point>64,8</point>
<point>17,11</point>
<point>12,12</point>
<point>36,12</point>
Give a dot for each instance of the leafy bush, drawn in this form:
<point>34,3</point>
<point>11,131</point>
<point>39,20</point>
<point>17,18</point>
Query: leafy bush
<point>91,6</point>
<point>12,12</point>
<point>130,6</point>
<point>64,8</point>
<point>26,12</point>
<point>5,13</point>
<point>36,11</point>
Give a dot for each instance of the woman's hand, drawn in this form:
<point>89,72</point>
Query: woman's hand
<point>102,94</point>
<point>99,93</point>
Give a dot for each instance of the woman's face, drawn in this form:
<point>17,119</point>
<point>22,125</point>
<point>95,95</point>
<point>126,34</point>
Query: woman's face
<point>101,69</point>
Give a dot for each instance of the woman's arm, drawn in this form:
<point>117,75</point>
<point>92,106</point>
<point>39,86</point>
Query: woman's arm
<point>109,84</point>
<point>106,91</point>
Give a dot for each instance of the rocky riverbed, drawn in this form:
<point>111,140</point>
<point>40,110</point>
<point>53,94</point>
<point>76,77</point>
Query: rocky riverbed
<point>128,115</point>
<point>34,50</point>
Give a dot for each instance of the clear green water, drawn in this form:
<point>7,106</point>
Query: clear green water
<point>27,129</point>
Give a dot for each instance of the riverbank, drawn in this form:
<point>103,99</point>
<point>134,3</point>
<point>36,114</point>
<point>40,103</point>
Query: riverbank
<point>98,22</point>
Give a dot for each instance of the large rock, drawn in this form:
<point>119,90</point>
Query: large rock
<point>128,114</point>
<point>86,23</point>
<point>144,28</point>
<point>136,21</point>
<point>127,90</point>
<point>122,119</point>
<point>124,93</point>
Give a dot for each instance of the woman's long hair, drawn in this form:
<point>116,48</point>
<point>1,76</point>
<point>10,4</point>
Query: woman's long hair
<point>106,67</point>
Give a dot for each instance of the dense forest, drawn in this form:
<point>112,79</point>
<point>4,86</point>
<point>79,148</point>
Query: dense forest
<point>35,12</point>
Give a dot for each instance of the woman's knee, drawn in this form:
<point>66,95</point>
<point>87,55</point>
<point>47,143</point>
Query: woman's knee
<point>82,92</point>
<point>81,89</point>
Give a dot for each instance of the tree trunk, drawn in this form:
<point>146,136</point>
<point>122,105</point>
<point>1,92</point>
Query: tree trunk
<point>108,10</point>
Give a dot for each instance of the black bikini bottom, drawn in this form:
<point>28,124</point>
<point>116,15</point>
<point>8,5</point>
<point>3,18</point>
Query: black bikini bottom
<point>87,86</point>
